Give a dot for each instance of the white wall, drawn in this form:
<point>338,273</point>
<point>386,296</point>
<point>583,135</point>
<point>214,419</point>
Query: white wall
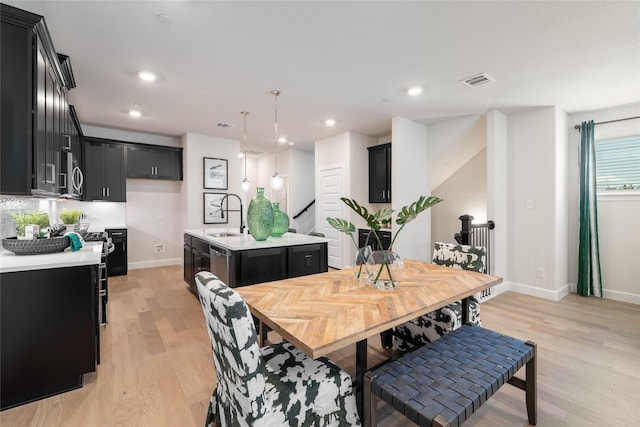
<point>618,215</point>
<point>497,194</point>
<point>464,192</point>
<point>301,189</point>
<point>410,180</point>
<point>195,148</point>
<point>535,176</point>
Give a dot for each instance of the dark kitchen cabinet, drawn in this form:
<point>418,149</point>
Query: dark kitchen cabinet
<point>154,162</point>
<point>383,235</point>
<point>33,108</point>
<point>49,331</point>
<point>117,261</point>
<point>306,259</point>
<point>105,170</point>
<point>380,173</point>
<point>260,265</point>
<point>196,259</point>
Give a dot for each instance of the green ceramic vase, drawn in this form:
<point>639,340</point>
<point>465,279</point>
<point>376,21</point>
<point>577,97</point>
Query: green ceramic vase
<point>260,216</point>
<point>280,221</point>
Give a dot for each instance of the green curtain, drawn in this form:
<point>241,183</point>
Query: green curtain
<point>589,278</point>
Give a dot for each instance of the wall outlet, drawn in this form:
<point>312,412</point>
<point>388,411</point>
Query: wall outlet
<point>541,273</point>
<point>158,248</point>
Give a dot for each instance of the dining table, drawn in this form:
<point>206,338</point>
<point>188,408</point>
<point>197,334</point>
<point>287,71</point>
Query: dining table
<point>325,312</point>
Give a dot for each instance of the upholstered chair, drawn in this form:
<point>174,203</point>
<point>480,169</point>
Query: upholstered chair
<point>436,324</point>
<point>276,385</point>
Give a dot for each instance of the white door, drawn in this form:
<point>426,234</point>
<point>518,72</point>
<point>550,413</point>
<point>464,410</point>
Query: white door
<point>331,206</point>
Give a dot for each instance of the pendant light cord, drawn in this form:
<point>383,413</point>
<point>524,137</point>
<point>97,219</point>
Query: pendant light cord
<point>244,113</point>
<point>276,93</point>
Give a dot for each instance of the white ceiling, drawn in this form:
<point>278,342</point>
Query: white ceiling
<point>348,60</point>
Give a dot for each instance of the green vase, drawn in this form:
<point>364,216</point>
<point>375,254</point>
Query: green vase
<point>260,216</point>
<point>280,221</point>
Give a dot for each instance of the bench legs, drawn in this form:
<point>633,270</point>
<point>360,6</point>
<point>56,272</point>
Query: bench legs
<point>529,385</point>
<point>370,402</point>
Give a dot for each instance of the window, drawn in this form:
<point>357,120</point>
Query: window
<point>618,163</point>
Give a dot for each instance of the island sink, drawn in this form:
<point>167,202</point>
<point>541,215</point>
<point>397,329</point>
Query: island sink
<point>224,234</point>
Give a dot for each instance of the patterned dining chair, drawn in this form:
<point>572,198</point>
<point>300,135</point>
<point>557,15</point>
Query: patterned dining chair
<point>436,324</point>
<point>276,385</point>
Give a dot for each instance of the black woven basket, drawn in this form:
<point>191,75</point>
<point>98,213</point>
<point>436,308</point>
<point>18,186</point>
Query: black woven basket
<point>36,247</point>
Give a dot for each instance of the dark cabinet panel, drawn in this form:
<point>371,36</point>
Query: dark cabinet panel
<point>117,261</point>
<point>306,259</point>
<point>261,265</point>
<point>196,259</point>
<point>380,173</point>
<point>383,235</point>
<point>154,162</point>
<point>49,331</point>
<point>104,175</point>
<point>34,106</point>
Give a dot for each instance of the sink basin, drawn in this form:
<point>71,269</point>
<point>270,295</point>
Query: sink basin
<point>223,234</point>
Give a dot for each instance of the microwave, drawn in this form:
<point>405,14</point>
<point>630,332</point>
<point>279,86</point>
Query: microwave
<point>72,178</point>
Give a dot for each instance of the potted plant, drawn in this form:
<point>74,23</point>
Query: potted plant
<point>70,216</point>
<point>382,261</point>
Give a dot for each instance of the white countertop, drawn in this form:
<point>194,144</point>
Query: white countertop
<point>89,254</point>
<point>246,242</point>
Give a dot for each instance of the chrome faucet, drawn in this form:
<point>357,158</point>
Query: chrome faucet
<point>222,210</point>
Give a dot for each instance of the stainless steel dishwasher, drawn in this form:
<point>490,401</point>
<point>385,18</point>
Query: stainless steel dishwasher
<point>220,263</point>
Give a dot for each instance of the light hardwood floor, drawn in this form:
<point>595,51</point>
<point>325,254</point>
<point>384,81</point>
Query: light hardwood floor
<point>157,367</point>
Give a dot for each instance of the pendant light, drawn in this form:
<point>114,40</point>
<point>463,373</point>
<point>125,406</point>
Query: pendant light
<point>245,182</point>
<point>276,179</point>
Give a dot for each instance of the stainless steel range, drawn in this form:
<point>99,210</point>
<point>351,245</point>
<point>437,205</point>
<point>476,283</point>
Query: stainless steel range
<point>103,289</point>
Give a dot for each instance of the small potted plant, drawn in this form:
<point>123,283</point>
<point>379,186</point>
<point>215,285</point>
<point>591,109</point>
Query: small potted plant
<point>70,216</point>
<point>381,263</point>
<point>22,219</point>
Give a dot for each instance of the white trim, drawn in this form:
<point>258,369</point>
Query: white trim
<point>618,196</point>
<point>155,263</point>
<point>495,290</point>
<point>535,291</point>
<point>612,295</point>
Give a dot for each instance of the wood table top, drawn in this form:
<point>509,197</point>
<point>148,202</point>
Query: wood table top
<point>321,313</point>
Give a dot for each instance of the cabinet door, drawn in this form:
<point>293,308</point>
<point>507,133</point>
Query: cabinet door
<point>385,239</point>
<point>139,162</point>
<point>306,259</point>
<point>114,177</point>
<point>262,265</point>
<point>188,265</point>
<point>168,164</point>
<point>94,171</point>
<point>379,174</point>
<point>117,261</point>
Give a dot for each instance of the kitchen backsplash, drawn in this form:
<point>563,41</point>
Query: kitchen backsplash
<point>98,214</point>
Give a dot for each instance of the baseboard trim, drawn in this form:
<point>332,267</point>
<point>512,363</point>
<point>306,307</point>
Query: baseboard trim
<point>495,290</point>
<point>612,294</point>
<point>154,263</point>
<point>534,291</point>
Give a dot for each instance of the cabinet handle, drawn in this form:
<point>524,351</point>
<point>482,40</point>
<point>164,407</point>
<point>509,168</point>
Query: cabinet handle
<point>68,146</point>
<point>108,192</point>
<point>152,168</point>
<point>102,292</point>
<point>63,175</point>
<point>102,191</point>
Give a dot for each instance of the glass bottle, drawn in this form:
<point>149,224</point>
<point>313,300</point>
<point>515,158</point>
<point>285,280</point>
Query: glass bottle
<point>280,221</point>
<point>260,216</point>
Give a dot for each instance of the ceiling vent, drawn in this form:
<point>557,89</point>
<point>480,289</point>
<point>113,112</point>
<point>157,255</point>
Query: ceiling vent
<point>478,80</point>
<point>252,153</point>
<point>224,125</point>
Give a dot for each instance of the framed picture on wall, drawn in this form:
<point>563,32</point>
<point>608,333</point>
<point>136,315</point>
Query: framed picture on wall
<point>215,173</point>
<point>213,208</point>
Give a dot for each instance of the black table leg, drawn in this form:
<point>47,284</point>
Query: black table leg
<point>361,367</point>
<point>465,311</point>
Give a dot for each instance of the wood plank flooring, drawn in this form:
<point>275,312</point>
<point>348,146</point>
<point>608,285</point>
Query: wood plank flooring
<point>157,367</point>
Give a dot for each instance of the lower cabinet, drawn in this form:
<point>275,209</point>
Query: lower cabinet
<point>118,261</point>
<point>49,333</point>
<point>383,235</point>
<point>248,267</point>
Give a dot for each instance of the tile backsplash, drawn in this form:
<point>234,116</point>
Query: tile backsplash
<point>98,214</point>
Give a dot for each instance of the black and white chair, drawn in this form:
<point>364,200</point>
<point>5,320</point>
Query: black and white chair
<point>276,385</point>
<point>438,323</point>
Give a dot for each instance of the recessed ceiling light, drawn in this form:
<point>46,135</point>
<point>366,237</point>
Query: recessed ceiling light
<point>282,139</point>
<point>290,142</point>
<point>135,113</point>
<point>330,122</point>
<point>147,76</point>
<point>414,91</point>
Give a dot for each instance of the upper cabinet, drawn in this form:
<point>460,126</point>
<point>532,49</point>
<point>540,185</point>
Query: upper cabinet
<point>380,173</point>
<point>154,162</point>
<point>35,109</point>
<point>105,170</point>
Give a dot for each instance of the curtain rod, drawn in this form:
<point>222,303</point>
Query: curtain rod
<point>610,121</point>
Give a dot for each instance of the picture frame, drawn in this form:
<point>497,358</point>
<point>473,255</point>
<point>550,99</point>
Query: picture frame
<point>215,173</point>
<point>213,207</point>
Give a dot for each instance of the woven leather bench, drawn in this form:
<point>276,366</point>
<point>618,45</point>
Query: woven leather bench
<point>442,383</point>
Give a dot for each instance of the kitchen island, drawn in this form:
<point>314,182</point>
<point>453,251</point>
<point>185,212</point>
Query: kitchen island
<point>239,260</point>
<point>49,330</point>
